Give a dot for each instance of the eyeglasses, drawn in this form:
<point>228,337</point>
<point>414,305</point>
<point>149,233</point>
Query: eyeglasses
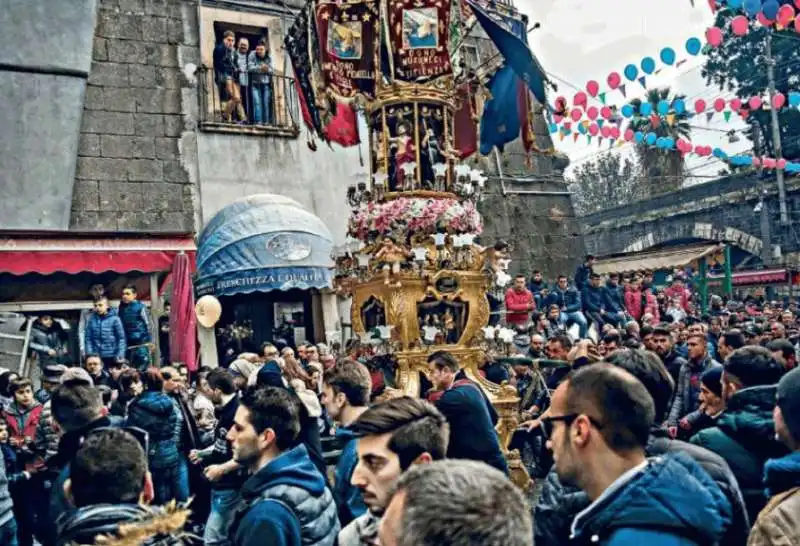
<point>546,423</point>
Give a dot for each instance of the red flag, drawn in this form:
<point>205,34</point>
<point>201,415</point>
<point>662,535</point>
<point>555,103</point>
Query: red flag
<point>465,137</point>
<point>343,128</point>
<point>303,106</point>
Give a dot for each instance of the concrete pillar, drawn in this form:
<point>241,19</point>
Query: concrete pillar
<point>208,346</point>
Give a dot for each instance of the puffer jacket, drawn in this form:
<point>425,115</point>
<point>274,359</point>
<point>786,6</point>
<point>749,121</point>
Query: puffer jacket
<point>558,504</point>
<point>687,389</point>
<point>639,303</point>
<point>22,422</point>
<point>155,413</point>
<point>615,297</point>
<point>46,439</point>
<point>568,300</point>
<point>44,339</point>
<point>671,502</point>
<point>105,336</point>
<point>778,523</point>
<point>745,438</point>
<point>136,322</point>
<point>83,525</point>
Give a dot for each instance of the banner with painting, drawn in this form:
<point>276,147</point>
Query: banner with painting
<point>417,37</point>
<point>349,38</point>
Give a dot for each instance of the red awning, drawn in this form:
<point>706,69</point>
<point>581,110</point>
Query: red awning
<point>23,255</point>
<point>744,278</point>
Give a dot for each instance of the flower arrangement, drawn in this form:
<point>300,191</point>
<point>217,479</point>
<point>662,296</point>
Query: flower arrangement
<point>413,215</point>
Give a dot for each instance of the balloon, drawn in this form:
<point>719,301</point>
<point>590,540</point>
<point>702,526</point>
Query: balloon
<point>631,72</point>
<point>627,110</point>
<point>594,129</point>
<point>797,3</point>
<point>591,113</point>
<point>614,80</point>
<point>679,106</point>
<point>717,152</point>
<point>639,137</point>
<point>770,163</point>
<point>755,103</point>
<point>648,65</point>
<point>756,162</point>
<point>736,104</point>
<point>794,98</point>
<point>698,150</point>
<point>747,160</point>
<point>605,132</point>
<point>629,135</point>
<point>781,164</point>
<point>719,105</point>
<point>699,106</point>
<point>714,36</point>
<point>592,87</point>
<point>740,25</point>
<point>576,114</point>
<point>693,46</point>
<point>763,20</point>
<point>553,128</point>
<point>667,55</point>
<point>660,142</point>
<point>785,15</point>
<point>580,98</point>
<point>735,4</point>
<point>663,107</point>
<point>770,9</point>
<point>605,111</point>
<point>651,138</point>
<point>669,143</point>
<point>557,118</point>
<point>614,131</point>
<point>646,109</point>
<point>797,24</point>
<point>752,7</point>
<point>778,100</point>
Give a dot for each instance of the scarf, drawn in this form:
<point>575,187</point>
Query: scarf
<point>782,474</point>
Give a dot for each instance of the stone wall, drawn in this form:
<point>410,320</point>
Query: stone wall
<point>129,175</point>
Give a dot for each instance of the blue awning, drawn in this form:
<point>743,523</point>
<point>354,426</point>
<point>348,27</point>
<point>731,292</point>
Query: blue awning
<point>262,243</point>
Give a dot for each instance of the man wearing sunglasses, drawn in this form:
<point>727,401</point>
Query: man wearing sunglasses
<point>598,426</point>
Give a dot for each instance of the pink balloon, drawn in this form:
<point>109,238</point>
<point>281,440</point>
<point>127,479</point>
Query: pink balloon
<point>593,88</point>
<point>763,21</point>
<point>797,3</point>
<point>756,162</point>
<point>580,98</point>
<point>558,118</point>
<point>769,163</point>
<point>605,111</point>
<point>594,129</point>
<point>698,150</point>
<point>719,105</point>
<point>629,135</point>
<point>614,132</point>
<point>700,106</point>
<point>736,104</point>
<point>785,15</point>
<point>591,113</point>
<point>755,103</point>
<point>614,79</point>
<point>778,100</point>
<point>797,24</point>
<point>781,164</point>
<point>561,103</point>
<point>605,131</point>
<point>714,36</point>
<point>740,25</point>
<point>576,114</point>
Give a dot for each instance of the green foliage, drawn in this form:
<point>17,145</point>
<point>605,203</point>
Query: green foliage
<point>606,182</point>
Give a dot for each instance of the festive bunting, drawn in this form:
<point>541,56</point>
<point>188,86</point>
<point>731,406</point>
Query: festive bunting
<point>602,96</point>
<point>727,115</point>
<point>671,119</point>
<point>643,81</point>
<point>622,90</point>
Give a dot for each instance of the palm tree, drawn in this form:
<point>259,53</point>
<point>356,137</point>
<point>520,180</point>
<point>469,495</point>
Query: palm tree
<point>662,169</point>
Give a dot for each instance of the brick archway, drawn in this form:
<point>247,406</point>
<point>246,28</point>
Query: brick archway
<point>697,230</point>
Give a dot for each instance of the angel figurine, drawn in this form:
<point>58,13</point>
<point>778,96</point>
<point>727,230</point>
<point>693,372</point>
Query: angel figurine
<point>389,257</point>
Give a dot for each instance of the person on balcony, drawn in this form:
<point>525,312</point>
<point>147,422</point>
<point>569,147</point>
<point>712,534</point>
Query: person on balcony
<point>224,72</point>
<point>259,65</point>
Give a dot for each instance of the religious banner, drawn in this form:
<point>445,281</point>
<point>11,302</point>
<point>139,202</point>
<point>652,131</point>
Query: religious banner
<point>349,38</point>
<point>417,38</point>
<point>297,46</point>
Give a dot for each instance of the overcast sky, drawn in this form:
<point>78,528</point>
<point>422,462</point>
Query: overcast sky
<point>580,40</point>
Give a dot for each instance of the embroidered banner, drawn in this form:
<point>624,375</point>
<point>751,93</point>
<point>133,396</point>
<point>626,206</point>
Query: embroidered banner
<point>349,38</point>
<point>418,37</point>
<point>297,46</point>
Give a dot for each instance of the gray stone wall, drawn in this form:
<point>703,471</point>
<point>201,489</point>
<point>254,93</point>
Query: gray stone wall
<point>130,175</point>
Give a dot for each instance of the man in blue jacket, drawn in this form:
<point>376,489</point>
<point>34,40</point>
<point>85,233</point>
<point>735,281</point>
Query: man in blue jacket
<point>568,300</point>
<point>105,335</point>
<point>285,501</point>
<point>135,319</point>
<point>346,391</point>
<point>597,304</point>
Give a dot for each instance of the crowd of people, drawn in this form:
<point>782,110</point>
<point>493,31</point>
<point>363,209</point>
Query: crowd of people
<point>679,431</point>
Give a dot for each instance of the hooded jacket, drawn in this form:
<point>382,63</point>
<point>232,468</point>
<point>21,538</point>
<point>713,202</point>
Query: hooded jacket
<point>348,497</point>
<point>22,422</point>
<point>745,438</point>
<point>671,502</point>
<point>641,302</point>
<point>286,503</point>
<point>558,504</point>
<point>779,522</point>
<point>105,336</point>
<point>83,525</point>
<point>155,413</point>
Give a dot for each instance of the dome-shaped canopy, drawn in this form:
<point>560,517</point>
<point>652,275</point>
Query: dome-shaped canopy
<point>260,243</point>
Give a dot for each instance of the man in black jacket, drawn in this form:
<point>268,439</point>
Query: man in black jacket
<point>558,504</point>
<point>664,348</point>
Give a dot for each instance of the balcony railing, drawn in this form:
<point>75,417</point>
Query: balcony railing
<point>276,112</point>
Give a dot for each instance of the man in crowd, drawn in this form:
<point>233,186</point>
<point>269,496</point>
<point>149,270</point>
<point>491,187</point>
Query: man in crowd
<point>779,522</point>
<point>743,434</point>
<point>135,319</point>
<point>243,76</point>
<point>519,303</point>
<point>346,391</point>
<point>687,390</point>
<point>471,416</point>
<point>728,342</point>
<point>784,352</point>
<point>393,436</point>
<point>104,335</point>
<point>259,66</point>
<point>568,299</point>
<point>663,343</point>
<point>597,305</point>
<point>584,271</point>
<point>455,503</point>
<point>536,349</point>
<point>598,426</point>
<point>285,500</point>
<point>95,292</point>
<point>536,286</point>
<point>94,366</point>
<point>616,297</point>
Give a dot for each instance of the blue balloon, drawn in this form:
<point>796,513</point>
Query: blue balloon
<point>646,109</point>
<point>669,142</point>
<point>679,106</point>
<point>631,72</point>
<point>771,8</point>
<point>627,110</point>
<point>553,128</point>
<point>668,55</point>
<point>693,46</point>
<point>752,7</point>
<point>651,138</point>
<point>734,4</point>
<point>717,152</point>
<point>748,160</point>
<point>648,65</point>
<point>794,98</point>
<point>638,137</point>
<point>663,107</point>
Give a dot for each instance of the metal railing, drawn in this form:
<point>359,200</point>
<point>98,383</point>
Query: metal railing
<point>275,109</point>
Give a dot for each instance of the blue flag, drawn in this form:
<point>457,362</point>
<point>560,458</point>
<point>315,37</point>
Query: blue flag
<point>501,119</point>
<point>510,37</point>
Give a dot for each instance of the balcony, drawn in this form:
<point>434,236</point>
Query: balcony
<point>220,114</point>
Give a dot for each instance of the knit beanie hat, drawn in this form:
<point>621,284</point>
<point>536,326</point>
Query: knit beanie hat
<point>788,399</point>
<point>712,379</point>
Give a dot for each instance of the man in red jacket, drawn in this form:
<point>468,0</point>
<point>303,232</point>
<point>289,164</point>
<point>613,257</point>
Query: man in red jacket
<point>519,303</point>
